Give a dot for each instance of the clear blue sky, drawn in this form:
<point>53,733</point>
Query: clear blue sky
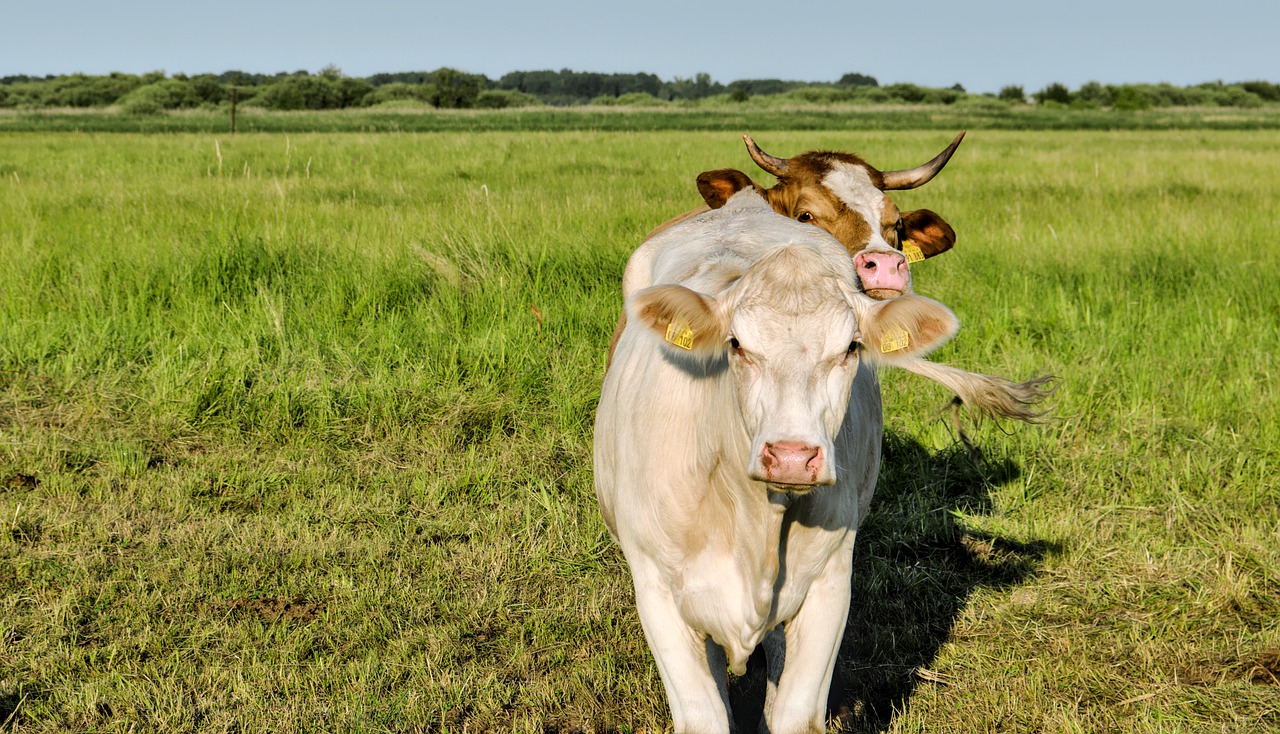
<point>982,44</point>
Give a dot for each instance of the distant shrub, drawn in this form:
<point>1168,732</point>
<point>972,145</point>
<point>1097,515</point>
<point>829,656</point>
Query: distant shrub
<point>299,93</point>
<point>209,89</point>
<point>568,87</point>
<point>857,80</point>
<point>80,90</point>
<point>817,95</point>
<point>762,87</point>
<point>906,92</point>
<point>1163,95</point>
<point>1129,97</point>
<point>493,99</point>
<point>1266,91</point>
<point>313,93</point>
<point>1055,92</point>
<point>1237,96</point>
<point>631,99</point>
<point>871,95</point>
<point>1013,93</point>
<point>351,91</point>
<point>915,94</point>
<point>169,94</point>
<point>21,95</point>
<point>399,91</point>
<point>1092,95</point>
<point>951,95</point>
<point>456,89</point>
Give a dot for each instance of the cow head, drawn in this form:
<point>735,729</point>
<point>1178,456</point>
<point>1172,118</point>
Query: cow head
<point>793,332</point>
<point>844,195</point>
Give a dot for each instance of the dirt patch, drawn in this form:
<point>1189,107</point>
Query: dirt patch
<point>278,610</point>
<point>22,481</point>
<point>447,539</point>
<point>1264,668</point>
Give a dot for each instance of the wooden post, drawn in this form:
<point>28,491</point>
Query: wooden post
<point>233,110</point>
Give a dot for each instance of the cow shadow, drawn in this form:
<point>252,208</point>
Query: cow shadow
<point>914,569</point>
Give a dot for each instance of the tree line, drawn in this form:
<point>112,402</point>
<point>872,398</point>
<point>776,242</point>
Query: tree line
<point>449,88</point>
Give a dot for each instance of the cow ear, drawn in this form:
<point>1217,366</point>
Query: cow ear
<point>717,186</point>
<point>927,231</point>
<point>906,326</point>
<point>687,321</point>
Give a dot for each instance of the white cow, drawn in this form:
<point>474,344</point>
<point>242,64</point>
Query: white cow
<point>737,445</point>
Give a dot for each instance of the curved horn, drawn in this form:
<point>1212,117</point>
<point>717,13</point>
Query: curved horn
<point>921,175</point>
<point>772,164</point>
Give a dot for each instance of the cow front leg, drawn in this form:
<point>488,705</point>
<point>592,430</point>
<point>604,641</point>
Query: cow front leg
<point>802,655</point>
<point>691,664</point>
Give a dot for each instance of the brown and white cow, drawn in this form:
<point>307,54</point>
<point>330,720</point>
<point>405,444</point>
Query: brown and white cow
<point>737,446</point>
<point>844,195</point>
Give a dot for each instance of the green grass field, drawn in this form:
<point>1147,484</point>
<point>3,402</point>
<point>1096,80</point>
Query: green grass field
<point>295,435</point>
<point>759,115</point>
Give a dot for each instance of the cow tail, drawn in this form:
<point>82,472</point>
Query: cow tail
<point>988,394</point>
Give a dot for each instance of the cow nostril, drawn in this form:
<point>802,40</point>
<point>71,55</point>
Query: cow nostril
<point>869,265</point>
<point>767,458</point>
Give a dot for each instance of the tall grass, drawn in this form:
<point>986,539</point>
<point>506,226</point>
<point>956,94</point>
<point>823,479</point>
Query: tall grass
<point>758,115</point>
<point>295,435</point>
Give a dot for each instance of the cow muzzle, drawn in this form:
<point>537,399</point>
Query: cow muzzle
<point>793,463</point>
<point>884,273</point>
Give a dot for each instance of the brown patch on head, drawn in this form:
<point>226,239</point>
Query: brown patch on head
<point>802,195</point>
<point>889,218</point>
<point>719,185</point>
<point>803,176</point>
<point>807,200</point>
<point>681,316</point>
<point>816,164</point>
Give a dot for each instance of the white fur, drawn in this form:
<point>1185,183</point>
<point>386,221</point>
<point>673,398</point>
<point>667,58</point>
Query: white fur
<point>853,185</point>
<point>720,562</point>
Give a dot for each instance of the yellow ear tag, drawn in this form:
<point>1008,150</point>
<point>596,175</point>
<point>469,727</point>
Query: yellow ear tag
<point>894,339</point>
<point>679,334</point>
<point>914,253</point>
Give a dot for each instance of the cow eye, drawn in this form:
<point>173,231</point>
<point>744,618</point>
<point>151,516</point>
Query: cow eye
<point>851,354</point>
<point>804,217</point>
<point>733,342</point>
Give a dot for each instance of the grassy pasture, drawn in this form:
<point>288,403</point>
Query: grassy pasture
<point>759,115</point>
<point>295,435</point>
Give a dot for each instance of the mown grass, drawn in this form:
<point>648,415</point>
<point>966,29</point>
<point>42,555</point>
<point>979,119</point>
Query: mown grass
<point>295,435</point>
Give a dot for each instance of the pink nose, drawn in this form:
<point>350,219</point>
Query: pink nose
<point>881,271</point>
<point>791,462</point>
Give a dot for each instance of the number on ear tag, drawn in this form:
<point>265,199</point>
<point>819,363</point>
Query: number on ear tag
<point>894,339</point>
<point>912,251</point>
<point>679,334</point>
